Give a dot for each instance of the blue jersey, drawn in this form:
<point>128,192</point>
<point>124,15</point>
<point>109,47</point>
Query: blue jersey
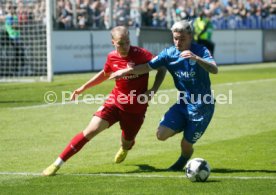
<point>189,77</point>
<point>192,116</point>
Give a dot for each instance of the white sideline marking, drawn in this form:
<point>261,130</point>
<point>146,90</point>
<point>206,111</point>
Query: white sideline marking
<point>136,175</point>
<point>160,91</point>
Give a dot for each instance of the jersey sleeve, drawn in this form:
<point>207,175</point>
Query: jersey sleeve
<point>159,60</point>
<point>107,65</point>
<point>206,55</point>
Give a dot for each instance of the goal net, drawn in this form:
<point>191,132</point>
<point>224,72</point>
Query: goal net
<point>25,40</point>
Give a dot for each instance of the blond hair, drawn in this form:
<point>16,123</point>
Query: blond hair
<point>119,31</point>
<point>183,26</point>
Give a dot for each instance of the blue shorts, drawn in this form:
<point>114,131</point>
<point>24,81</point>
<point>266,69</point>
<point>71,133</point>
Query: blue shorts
<point>193,120</point>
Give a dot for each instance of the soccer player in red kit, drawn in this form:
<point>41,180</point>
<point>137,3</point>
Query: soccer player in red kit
<point>122,104</point>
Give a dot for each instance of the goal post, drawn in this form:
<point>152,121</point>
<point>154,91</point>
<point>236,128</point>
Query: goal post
<point>49,30</point>
<point>25,41</point>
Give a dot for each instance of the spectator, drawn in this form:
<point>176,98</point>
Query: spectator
<point>42,13</point>
<point>242,11</point>
<point>216,8</point>
<point>147,13</point>
<point>190,8</point>
<point>162,20</point>
<point>65,14</point>
<point>107,23</point>
<point>273,7</point>
<point>2,14</point>
<point>13,38</point>
<point>159,20</point>
<point>135,16</point>
<point>203,31</point>
<point>122,13</point>
<point>36,12</point>
<point>251,7</point>
<point>97,11</point>
<point>81,21</point>
<point>264,9</point>
<point>83,12</point>
<point>22,14</point>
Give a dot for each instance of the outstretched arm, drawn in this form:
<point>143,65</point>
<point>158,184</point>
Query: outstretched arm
<point>140,69</point>
<point>95,80</point>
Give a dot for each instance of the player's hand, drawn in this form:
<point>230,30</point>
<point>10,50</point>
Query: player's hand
<point>149,94</point>
<point>76,93</point>
<point>188,54</point>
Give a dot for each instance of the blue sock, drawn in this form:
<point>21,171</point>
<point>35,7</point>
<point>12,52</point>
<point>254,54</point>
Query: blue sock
<point>179,164</point>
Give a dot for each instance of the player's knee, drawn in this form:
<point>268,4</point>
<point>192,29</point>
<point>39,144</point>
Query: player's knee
<point>164,133</point>
<point>88,134</point>
<point>96,126</point>
<point>160,136</point>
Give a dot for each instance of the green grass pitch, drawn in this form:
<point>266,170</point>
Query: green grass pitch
<point>239,143</point>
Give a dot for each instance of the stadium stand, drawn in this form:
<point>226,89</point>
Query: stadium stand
<point>94,14</point>
<point>225,14</point>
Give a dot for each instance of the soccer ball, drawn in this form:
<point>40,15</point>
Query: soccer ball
<point>197,169</point>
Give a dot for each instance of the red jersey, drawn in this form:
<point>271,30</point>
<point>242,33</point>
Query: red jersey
<point>128,88</point>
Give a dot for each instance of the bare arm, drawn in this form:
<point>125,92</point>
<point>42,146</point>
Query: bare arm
<point>208,66</point>
<point>159,77</point>
<point>140,69</point>
<point>95,80</point>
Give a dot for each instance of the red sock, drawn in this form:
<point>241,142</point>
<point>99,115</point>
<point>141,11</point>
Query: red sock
<point>74,146</point>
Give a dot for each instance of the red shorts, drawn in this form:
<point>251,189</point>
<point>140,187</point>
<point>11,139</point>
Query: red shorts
<point>130,123</point>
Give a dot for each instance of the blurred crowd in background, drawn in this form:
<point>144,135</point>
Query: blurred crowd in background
<point>22,37</point>
<point>23,22</point>
<point>23,12</point>
<point>224,14</point>
<point>97,14</point>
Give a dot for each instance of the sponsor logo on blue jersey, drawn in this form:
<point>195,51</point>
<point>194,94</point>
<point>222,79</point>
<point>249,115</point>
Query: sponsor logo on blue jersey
<point>184,75</point>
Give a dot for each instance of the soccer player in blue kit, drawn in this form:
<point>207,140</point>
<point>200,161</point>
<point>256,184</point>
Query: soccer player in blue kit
<point>189,65</point>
